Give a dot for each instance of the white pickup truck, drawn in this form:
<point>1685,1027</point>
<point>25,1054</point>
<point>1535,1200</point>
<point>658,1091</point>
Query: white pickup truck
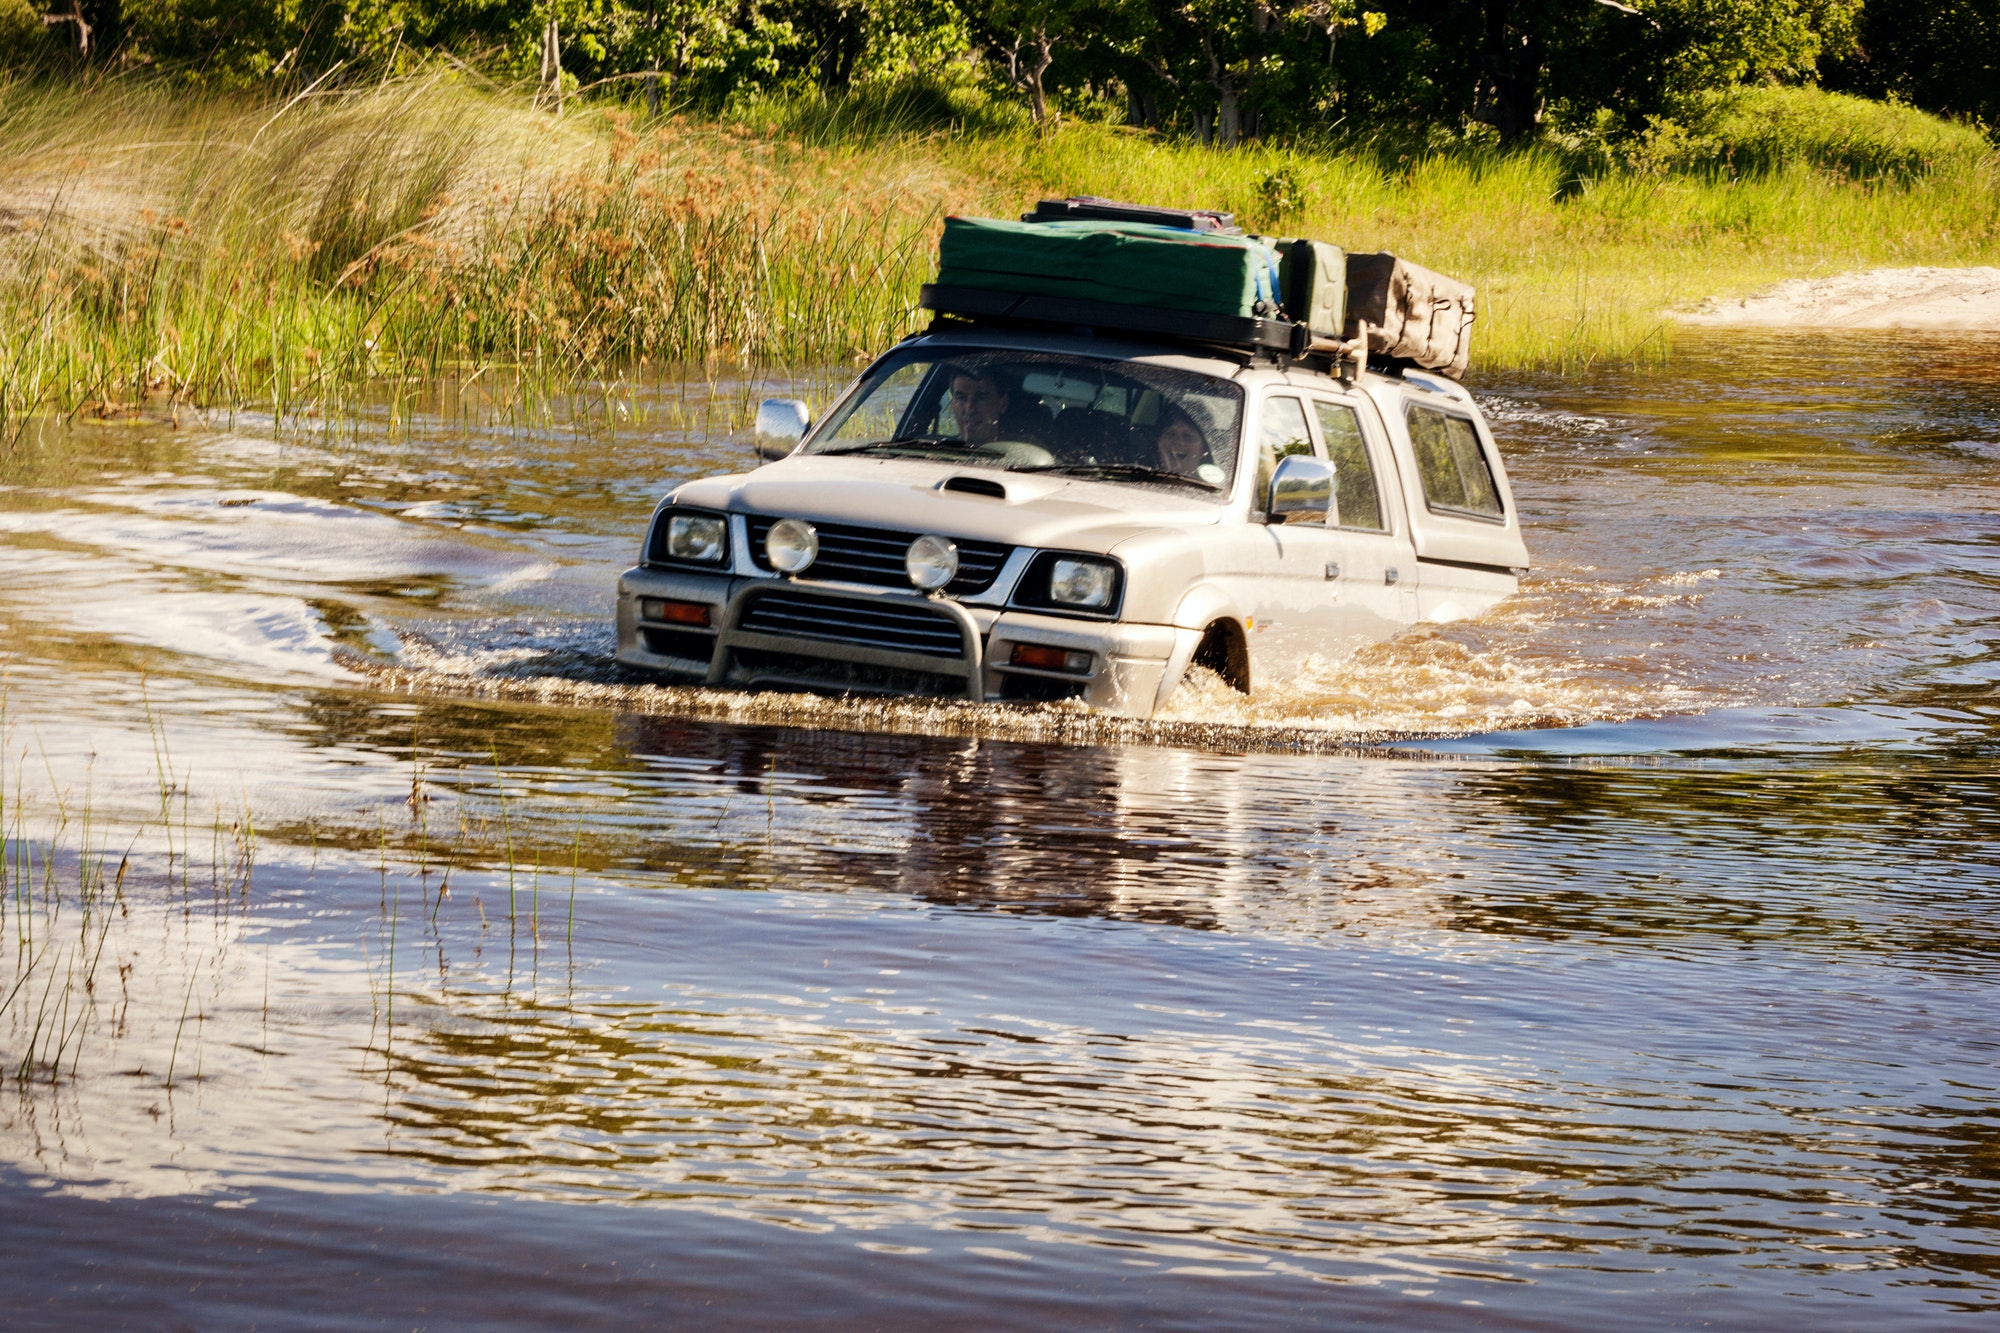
<point>1005,513</point>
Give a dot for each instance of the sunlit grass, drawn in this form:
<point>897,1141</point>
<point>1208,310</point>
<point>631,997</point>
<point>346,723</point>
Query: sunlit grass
<point>1569,270</point>
<point>219,251</point>
<point>160,245</point>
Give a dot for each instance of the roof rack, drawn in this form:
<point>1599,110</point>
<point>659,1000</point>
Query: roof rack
<point>1090,208</point>
<point>986,306</point>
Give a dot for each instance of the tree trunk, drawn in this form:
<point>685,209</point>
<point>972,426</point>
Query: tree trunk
<point>1511,101</point>
<point>552,62</point>
<point>1229,108</point>
<point>75,16</point>
<point>1229,117</point>
<point>842,39</point>
<point>1037,100</point>
<point>653,62</point>
<point>1142,110</point>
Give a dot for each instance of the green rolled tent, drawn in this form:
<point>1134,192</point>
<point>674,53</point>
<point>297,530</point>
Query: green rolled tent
<point>1128,263</point>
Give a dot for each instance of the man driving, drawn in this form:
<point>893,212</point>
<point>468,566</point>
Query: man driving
<point>977,404</point>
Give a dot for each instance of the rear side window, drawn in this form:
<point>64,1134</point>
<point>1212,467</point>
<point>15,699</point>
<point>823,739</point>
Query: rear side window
<point>1353,475</point>
<point>1283,433</point>
<point>1285,428</point>
<point>1451,463</point>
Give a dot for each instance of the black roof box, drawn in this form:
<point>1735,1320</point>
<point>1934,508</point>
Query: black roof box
<point>1089,208</point>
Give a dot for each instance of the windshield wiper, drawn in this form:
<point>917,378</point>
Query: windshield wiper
<point>951,443</point>
<point>1121,472</point>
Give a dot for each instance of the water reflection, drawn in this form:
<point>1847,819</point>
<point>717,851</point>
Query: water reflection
<point>875,1065</point>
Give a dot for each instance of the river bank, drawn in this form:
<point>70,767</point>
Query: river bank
<point>1966,299</point>
<point>210,250</point>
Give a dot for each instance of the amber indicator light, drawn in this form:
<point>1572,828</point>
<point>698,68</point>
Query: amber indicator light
<point>674,613</point>
<point>1038,657</point>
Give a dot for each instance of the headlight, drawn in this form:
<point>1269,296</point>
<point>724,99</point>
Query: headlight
<point>931,562</point>
<point>695,536</point>
<point>1085,583</point>
<point>792,545</point>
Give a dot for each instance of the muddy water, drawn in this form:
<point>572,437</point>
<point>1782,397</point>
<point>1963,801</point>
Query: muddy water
<point>377,953</point>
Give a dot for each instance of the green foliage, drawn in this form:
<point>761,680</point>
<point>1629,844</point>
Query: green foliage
<point>1280,195</point>
<point>20,25</point>
<point>1942,55</point>
<point>1708,44</point>
<point>878,110</point>
<point>1217,70</point>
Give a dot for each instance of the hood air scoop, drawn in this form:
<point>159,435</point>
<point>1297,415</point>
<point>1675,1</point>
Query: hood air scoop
<point>974,486</point>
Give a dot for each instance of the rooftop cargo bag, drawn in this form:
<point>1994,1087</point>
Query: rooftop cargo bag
<point>1126,263</point>
<point>1411,312</point>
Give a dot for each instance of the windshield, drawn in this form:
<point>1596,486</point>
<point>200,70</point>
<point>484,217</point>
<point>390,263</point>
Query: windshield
<point>1046,412</point>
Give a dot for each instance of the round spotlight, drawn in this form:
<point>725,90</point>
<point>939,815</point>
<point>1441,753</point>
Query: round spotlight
<point>792,545</point>
<point>931,561</point>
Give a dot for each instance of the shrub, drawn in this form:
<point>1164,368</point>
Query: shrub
<point>880,109</point>
<point>1762,130</point>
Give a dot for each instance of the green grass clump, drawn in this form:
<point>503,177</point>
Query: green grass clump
<point>1763,130</point>
<point>224,250</point>
<point>918,106</point>
<point>292,254</point>
<point>1569,270</point>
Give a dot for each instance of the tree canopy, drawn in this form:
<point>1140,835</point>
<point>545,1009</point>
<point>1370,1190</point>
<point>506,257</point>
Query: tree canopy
<point>1222,70</point>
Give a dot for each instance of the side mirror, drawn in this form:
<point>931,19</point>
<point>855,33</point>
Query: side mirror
<point>1301,490</point>
<point>781,424</point>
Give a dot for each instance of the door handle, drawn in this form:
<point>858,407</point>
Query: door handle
<point>1332,569</point>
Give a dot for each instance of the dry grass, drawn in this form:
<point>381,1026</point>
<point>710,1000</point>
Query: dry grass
<point>291,255</point>
<point>219,251</point>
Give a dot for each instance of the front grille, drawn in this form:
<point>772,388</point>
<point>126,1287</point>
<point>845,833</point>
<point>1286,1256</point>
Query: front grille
<point>875,556</point>
<point>902,629</point>
<point>755,668</point>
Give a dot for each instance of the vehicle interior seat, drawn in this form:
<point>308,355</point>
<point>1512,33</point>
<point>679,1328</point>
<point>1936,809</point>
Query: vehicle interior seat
<point>1083,435</point>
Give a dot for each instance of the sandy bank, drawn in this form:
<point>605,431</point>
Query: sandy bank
<point>1882,298</point>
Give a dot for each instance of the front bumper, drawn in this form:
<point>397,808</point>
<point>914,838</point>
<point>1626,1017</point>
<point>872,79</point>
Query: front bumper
<point>847,638</point>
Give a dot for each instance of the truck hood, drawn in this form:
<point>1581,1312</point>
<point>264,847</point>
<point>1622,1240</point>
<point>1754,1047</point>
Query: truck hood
<point>908,495</point>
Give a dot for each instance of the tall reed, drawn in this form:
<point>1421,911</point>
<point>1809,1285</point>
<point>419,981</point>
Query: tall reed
<point>289,255</point>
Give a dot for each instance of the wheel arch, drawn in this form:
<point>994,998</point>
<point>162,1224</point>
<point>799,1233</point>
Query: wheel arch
<point>1210,626</point>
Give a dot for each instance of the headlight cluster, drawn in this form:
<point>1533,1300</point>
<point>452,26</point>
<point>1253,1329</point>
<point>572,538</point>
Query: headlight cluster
<point>693,536</point>
<point>1072,583</point>
<point>1086,583</point>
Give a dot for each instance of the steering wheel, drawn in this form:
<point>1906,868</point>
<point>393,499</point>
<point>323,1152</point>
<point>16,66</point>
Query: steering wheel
<point>1021,453</point>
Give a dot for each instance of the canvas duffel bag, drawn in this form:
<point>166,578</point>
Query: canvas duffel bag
<point>1410,311</point>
